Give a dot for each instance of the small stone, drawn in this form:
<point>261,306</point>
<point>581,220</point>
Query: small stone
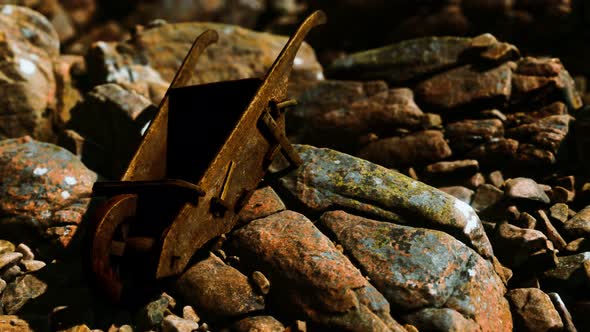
<point>525,220</point>
<point>33,265</point>
<point>578,245</point>
<point>486,196</point>
<point>551,232</point>
<point>189,313</point>
<point>450,168</point>
<point>513,214</point>
<point>203,328</point>
<point>12,323</point>
<point>579,225</point>
<point>525,189</point>
<point>26,251</point>
<point>460,192</point>
<point>2,285</point>
<point>514,245</point>
<point>559,194</point>
<point>77,328</point>
<point>569,274</point>
<point>559,212</point>
<point>566,317</point>
<point>258,323</point>
<point>533,310</point>
<point>8,259</point>
<point>152,314</point>
<point>172,323</point>
<point>6,247</point>
<point>261,282</point>
<point>218,290</point>
<point>497,179</point>
<point>466,135</point>
<point>262,203</point>
<point>417,148</point>
<point>11,273</point>
<point>301,326</point>
<point>18,293</point>
<point>475,181</point>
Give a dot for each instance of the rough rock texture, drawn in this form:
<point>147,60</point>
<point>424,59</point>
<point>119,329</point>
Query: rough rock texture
<point>579,225</point>
<point>533,310</point>
<point>514,246</point>
<point>153,56</point>
<point>111,120</point>
<point>570,274</point>
<point>28,45</point>
<point>309,276</point>
<point>328,178</point>
<point>262,203</point>
<point>45,189</point>
<point>218,290</point>
<point>417,268</point>
<point>258,323</point>
<point>18,293</point>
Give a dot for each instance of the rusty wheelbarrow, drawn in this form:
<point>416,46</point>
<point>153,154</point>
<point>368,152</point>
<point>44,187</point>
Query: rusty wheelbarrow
<point>171,200</point>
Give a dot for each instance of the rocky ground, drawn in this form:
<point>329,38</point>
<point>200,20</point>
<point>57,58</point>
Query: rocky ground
<point>444,184</point>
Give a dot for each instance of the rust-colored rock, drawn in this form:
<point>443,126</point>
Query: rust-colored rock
<point>218,290</point>
<point>259,324</point>
<point>262,203</point>
<point>310,277</point>
<point>154,55</point>
<point>417,148</point>
<point>11,323</point>
<point>514,246</point>
<point>418,268</point>
<point>578,225</point>
<point>465,135</point>
<point>533,311</point>
<point>525,189</point>
<point>45,187</point>
<point>28,44</point>
<point>465,85</point>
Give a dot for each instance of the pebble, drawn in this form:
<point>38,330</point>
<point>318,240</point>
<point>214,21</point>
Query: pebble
<point>261,282</point>
<point>26,251</point>
<point>6,247</point>
<point>10,259</point>
<point>33,265</point>
<point>189,313</point>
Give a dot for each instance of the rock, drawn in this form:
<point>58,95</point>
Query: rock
<point>26,251</point>
<point>338,114</point>
<point>329,179</point>
<point>525,189</point>
<point>578,245</point>
<point>189,313</point>
<point>28,43</point>
<point>570,274</point>
<point>466,135</point>
<point>45,189</point>
<point>13,323</point>
<point>152,314</point>
<point>566,317</point>
<point>417,148</point>
<point>77,328</point>
<point>2,285</point>
<point>462,193</point>
<point>551,232</point>
<point>547,133</point>
<point>497,153</point>
<point>486,196</point>
<point>218,290</point>
<point>262,203</point>
<point>261,282</point>
<point>452,168</point>
<point>300,261</point>
<point>9,259</point>
<point>578,225</point>
<point>6,247</point>
<point>240,53</point>
<point>533,311</point>
<point>465,85</point>
<point>440,319</point>
<point>525,220</point>
<point>11,273</point>
<point>33,265</point>
<point>21,291</point>
<point>173,323</point>
<point>111,119</point>
<point>559,212</point>
<point>514,246</point>
<point>258,323</point>
<point>418,268</point>
<point>410,60</point>
<point>67,94</point>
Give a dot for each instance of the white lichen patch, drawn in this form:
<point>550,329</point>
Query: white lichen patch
<point>377,181</point>
<point>337,162</point>
<point>40,171</point>
<point>7,10</point>
<point>26,66</point>
<point>471,219</point>
<point>70,180</point>
<point>65,194</point>
<point>471,273</point>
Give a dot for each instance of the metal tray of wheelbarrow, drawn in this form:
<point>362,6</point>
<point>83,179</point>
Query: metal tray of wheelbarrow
<point>205,152</point>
